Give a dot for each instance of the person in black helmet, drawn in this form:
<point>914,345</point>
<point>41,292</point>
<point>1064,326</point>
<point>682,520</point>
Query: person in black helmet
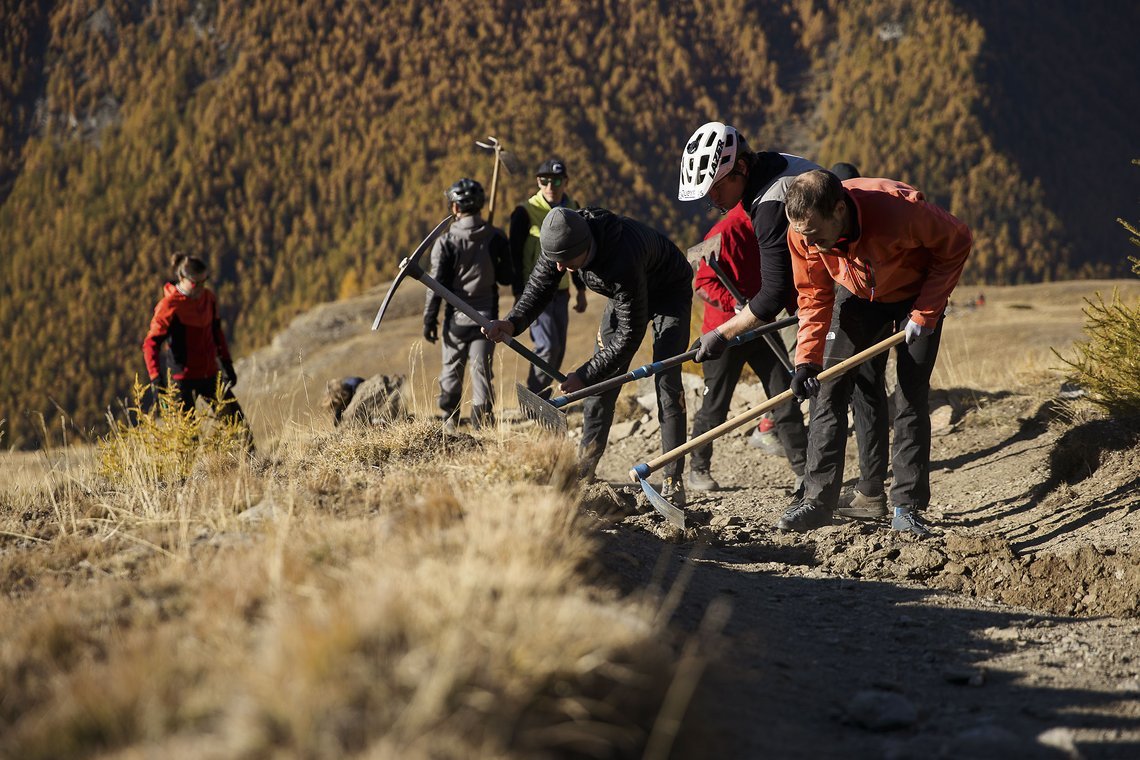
<point>648,281</point>
<point>471,260</point>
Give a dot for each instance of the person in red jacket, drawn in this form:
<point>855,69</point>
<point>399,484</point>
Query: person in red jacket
<point>739,260</point>
<point>869,257</point>
<point>187,318</point>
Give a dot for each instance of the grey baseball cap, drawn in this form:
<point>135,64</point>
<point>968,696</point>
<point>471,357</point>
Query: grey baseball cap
<point>565,235</point>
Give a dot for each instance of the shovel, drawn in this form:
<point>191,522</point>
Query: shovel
<point>549,414</point>
<point>410,267</point>
<point>640,472</point>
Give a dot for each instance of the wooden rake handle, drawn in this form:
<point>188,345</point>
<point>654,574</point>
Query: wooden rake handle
<point>642,471</point>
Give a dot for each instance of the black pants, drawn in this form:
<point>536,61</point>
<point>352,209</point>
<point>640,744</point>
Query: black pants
<point>872,413</point>
<point>189,391</point>
<point>670,337</point>
<point>721,376</point>
<point>857,324</point>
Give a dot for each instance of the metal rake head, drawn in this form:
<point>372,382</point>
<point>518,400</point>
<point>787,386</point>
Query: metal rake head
<point>540,410</point>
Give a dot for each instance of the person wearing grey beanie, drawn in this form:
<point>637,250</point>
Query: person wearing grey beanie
<point>648,281</point>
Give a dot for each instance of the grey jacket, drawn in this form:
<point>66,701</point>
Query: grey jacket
<point>471,260</point>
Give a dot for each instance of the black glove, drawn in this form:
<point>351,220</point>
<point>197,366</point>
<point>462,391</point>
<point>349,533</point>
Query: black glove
<point>431,332</point>
<point>712,346</point>
<point>804,382</point>
<point>150,398</point>
<point>228,373</point>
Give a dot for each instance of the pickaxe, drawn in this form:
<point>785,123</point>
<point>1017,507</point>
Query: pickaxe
<point>709,251</point>
<point>509,162</point>
<point>410,267</point>
<point>641,471</point>
<point>549,413</point>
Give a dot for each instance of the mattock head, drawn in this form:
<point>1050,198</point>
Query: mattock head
<point>410,265</point>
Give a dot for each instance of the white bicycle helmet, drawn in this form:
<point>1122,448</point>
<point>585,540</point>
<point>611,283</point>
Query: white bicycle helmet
<point>709,155</point>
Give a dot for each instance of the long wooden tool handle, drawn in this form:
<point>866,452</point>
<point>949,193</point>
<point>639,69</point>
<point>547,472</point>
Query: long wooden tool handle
<point>494,188</point>
<point>664,364</point>
<point>642,470</point>
<point>434,286</point>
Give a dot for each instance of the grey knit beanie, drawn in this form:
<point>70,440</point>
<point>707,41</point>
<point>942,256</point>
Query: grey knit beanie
<point>565,235</point>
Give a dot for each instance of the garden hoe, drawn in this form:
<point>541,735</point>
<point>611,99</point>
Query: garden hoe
<point>640,472</point>
<point>411,267</point>
<point>549,413</point>
<point>709,250</point>
<point>508,162</point>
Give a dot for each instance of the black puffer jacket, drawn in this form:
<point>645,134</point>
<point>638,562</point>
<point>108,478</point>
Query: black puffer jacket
<point>635,266</point>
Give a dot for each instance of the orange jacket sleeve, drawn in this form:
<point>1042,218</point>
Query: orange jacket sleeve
<point>816,297</point>
<point>949,241</point>
<point>152,343</point>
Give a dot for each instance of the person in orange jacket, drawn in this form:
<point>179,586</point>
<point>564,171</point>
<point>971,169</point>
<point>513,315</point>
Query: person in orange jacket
<point>869,257</point>
<point>187,318</point>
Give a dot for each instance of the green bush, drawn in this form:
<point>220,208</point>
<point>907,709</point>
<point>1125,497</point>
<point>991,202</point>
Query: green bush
<point>1108,365</point>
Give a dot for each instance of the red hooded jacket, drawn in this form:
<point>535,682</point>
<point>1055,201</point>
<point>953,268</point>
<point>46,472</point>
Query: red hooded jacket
<point>195,334</point>
<point>739,259</point>
<point>907,248</point>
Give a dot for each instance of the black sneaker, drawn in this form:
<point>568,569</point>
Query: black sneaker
<point>863,507</point>
<point>804,516</point>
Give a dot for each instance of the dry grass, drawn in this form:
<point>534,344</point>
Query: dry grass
<point>381,593</point>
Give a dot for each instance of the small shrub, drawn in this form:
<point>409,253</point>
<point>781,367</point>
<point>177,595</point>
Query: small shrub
<point>1108,364</point>
<point>160,446</point>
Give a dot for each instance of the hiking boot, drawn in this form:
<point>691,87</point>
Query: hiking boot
<point>907,520</point>
<point>700,480</point>
<point>863,507</point>
<point>674,491</point>
<point>766,441</point>
<point>804,516</point>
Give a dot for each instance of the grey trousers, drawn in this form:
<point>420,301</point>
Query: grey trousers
<point>457,353</point>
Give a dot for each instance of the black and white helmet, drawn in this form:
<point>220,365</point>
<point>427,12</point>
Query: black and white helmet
<point>467,194</point>
<point>709,155</point>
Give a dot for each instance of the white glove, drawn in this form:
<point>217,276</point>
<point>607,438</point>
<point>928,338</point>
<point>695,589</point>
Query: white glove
<point>914,331</point>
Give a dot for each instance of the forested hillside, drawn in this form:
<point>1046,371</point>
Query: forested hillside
<point>302,148</point>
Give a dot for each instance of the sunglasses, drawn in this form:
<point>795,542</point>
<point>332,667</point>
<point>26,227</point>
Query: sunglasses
<point>556,181</point>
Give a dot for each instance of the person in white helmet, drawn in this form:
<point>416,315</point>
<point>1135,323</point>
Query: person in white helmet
<point>718,165</point>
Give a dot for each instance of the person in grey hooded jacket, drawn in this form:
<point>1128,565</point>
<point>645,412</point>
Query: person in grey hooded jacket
<point>648,280</point>
<point>471,259</point>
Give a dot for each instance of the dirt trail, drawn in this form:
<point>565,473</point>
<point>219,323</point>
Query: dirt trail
<point>1012,633</point>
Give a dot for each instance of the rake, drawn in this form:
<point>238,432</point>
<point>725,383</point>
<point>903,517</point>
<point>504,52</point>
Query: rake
<point>549,413</point>
<point>639,472</point>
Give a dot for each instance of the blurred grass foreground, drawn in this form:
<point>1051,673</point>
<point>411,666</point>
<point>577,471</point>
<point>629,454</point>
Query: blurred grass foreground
<point>370,592</point>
